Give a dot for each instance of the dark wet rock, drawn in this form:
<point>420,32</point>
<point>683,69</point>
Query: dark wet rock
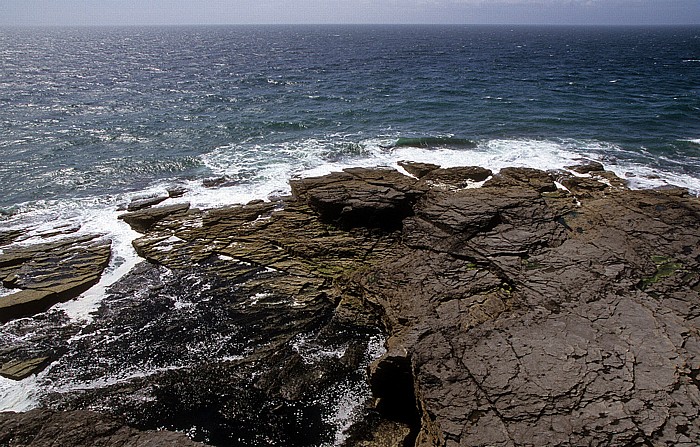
<point>143,220</point>
<point>587,166</point>
<point>515,314</point>
<point>419,170</point>
<point>523,177</point>
<point>457,177</point>
<point>33,269</point>
<point>44,335</point>
<point>44,428</point>
<point>8,236</point>
<point>176,191</point>
<point>145,202</point>
<point>20,369</point>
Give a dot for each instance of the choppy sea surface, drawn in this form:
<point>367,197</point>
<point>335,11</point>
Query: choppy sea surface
<point>92,117</point>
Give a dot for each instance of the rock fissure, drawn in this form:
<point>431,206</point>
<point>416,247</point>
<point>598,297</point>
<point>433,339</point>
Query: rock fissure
<point>513,314</point>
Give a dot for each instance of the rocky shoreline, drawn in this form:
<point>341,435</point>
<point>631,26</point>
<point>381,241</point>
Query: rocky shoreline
<point>374,308</point>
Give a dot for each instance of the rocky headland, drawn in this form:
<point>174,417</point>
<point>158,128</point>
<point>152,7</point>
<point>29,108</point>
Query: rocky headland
<point>374,308</point>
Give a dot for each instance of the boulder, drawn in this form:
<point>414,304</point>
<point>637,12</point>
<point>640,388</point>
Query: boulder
<point>217,182</point>
<point>457,177</point>
<point>522,177</point>
<point>145,202</point>
<point>418,170</point>
<point>176,191</point>
<point>360,197</point>
<point>143,220</point>
<point>587,166</point>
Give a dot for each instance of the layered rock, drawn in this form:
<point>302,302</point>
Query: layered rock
<point>50,272</point>
<point>44,428</point>
<point>145,217</point>
<point>20,369</point>
<point>516,314</point>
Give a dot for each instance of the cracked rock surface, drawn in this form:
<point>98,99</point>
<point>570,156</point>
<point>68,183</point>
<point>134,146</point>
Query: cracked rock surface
<point>515,314</point>
<point>527,319</point>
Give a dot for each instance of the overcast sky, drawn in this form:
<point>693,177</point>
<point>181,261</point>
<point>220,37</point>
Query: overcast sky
<point>180,12</point>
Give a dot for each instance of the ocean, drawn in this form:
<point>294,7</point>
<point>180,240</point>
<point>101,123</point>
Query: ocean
<point>93,117</point>
<point>93,114</point>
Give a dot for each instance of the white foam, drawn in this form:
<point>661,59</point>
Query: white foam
<point>123,376</point>
<point>123,259</point>
<point>315,157</point>
<point>311,352</point>
<point>18,395</point>
<point>345,402</point>
<point>5,291</point>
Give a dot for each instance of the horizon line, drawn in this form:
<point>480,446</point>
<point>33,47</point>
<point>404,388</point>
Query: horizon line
<point>134,25</point>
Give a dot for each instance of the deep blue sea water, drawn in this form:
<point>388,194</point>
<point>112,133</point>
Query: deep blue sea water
<point>88,113</point>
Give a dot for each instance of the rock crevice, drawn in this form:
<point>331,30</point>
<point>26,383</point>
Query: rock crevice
<point>515,314</point>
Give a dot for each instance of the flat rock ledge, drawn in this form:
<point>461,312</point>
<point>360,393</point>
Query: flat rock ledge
<point>516,314</point>
<point>80,429</point>
<point>49,273</point>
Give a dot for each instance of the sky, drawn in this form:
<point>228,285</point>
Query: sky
<point>184,12</point>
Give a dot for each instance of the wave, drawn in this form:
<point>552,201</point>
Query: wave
<point>434,142</point>
<point>267,167</point>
